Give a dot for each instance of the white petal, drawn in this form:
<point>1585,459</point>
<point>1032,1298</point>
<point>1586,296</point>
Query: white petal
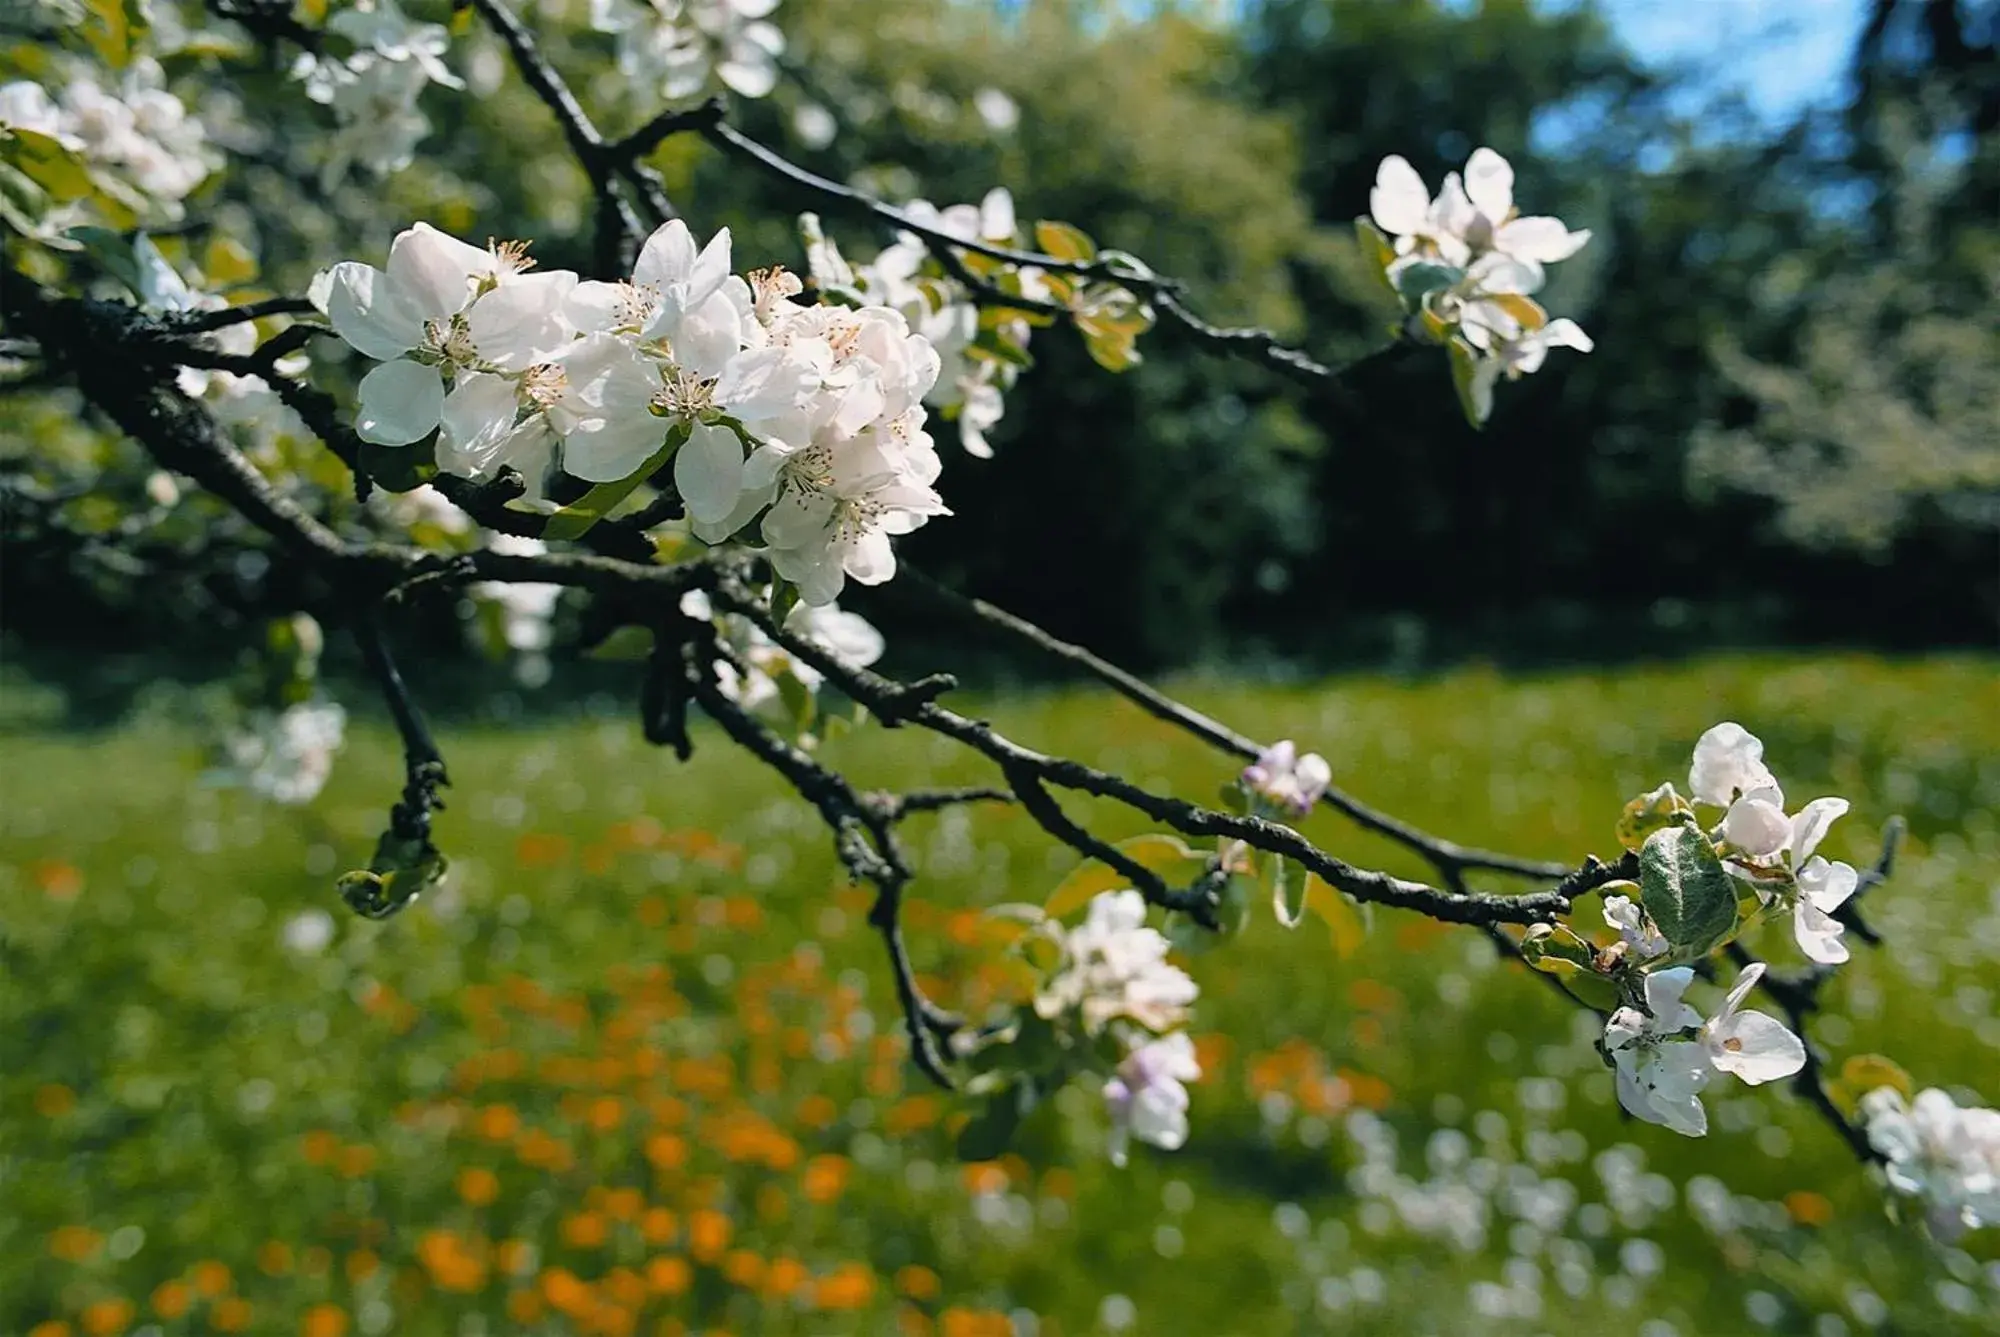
<point>796,520</point>
<point>595,307</point>
<point>1811,825</point>
<point>1827,885</point>
<point>434,271</point>
<point>1818,933</point>
<point>667,257</point>
<point>476,416</point>
<point>708,472</point>
<point>1400,203</point>
<point>1756,824</point>
<point>870,558</point>
<point>1663,998</point>
<point>1563,332</point>
<point>400,402</point>
<point>1543,240</point>
<point>367,311</point>
<point>520,322</point>
<point>606,450</point>
<point>1757,1049</point>
<point>1728,760</point>
<point>1489,184</point>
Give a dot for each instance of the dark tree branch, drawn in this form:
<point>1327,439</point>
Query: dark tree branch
<point>198,322</point>
<point>1443,854</point>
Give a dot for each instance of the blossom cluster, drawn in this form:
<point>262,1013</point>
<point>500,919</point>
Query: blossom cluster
<point>751,673</point>
<point>1466,265</point>
<point>143,146</point>
<point>1773,852</point>
<point>804,422</point>
<point>1940,1152</point>
<point>1663,1050</point>
<point>1114,979</point>
<point>1286,779</point>
<point>286,756</point>
<point>976,372</point>
<point>675,46</point>
<point>1665,1055</point>
<point>373,89</point>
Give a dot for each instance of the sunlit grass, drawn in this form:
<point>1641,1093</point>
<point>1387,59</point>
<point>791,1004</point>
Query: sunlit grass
<point>637,1068</point>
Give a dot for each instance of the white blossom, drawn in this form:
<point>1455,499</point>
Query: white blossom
<point>287,755</point>
<point>1114,967</point>
<point>1467,263</point>
<point>136,130</point>
<point>1633,925</point>
<point>676,45</point>
<point>1288,779</point>
<point>441,309</point>
<point>1146,1098</point>
<point>1661,1071</point>
<point>526,607</point>
<point>1935,1150</point>
<point>373,92</point>
<point>848,636</point>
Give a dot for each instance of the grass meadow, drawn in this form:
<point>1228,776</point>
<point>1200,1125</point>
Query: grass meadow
<point>637,1067</point>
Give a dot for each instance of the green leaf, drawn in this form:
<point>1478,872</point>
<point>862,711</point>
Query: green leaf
<point>113,27</point>
<point>1686,890</point>
<point>1064,241</point>
<point>797,697</point>
<point>581,516</point>
<point>1380,251</point>
<point>1649,813</point>
<point>990,1131</point>
<point>62,172</point>
<point>1865,1072</point>
<point>1465,380</point>
<point>399,468</point>
<point>1159,853</point>
<point>625,645</point>
<point>112,252</point>
<point>784,598</point>
<point>1418,281</point>
<point>1342,918</point>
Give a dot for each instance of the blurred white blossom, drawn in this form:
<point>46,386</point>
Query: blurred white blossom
<point>286,756</point>
<point>1944,1154</point>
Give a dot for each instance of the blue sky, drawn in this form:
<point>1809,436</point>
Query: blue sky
<point>1782,55</point>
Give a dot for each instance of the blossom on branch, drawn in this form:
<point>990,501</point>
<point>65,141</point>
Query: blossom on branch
<point>1115,968</point>
<point>1146,1098</point>
<point>373,90</point>
<point>675,45</point>
<point>1466,265</point>
<point>1665,1055</point>
<point>286,756</point>
<point>136,138</point>
<point>1286,779</point>
<point>1944,1154</point>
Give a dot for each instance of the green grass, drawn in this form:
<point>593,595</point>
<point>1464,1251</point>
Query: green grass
<point>693,1011</point>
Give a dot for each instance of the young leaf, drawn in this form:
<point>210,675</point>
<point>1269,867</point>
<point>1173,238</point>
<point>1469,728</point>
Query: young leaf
<point>1157,853</point>
<point>1343,921</point>
<point>1686,890</point>
<point>581,515</point>
<point>1649,813</point>
<point>1064,241</point>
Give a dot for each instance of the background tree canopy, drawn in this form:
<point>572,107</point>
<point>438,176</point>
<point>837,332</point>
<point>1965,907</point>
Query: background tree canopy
<point>1796,325</point>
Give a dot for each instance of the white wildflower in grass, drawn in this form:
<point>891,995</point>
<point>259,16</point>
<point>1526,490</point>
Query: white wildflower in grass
<point>1287,779</point>
<point>286,756</point>
<point>1114,967</point>
<point>1945,1155</point>
<point>1667,1054</point>
<point>308,932</point>
<point>1146,1097</point>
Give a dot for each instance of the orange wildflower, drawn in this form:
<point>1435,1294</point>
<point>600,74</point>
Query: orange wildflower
<point>825,1178</point>
<point>668,1275</point>
<point>585,1230</point>
<point>107,1317</point>
<point>659,1226</point>
<point>324,1320</point>
<point>171,1299</point>
<point>478,1185</point>
<point>849,1286</point>
<point>230,1314</point>
<point>53,1100</point>
<point>740,1267</point>
<point>708,1235</point>
<point>274,1258</point>
<point>919,1283</point>
<point>74,1244</point>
